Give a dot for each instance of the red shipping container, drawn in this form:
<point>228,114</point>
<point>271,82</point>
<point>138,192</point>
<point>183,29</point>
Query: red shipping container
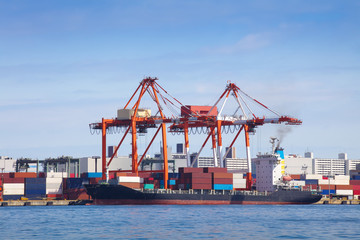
<point>354,182</point>
<point>198,181</point>
<point>23,175</point>
<point>120,174</point>
<point>326,187</point>
<point>130,185</point>
<point>325,178</point>
<point>5,175</point>
<point>356,192</point>
<point>344,187</point>
<point>14,180</point>
<point>215,169</point>
<point>72,175</point>
<point>222,181</point>
<point>54,195</point>
<point>190,170</point>
<point>196,175</point>
<point>145,174</point>
<point>222,175</point>
<point>311,186</point>
<point>201,186</point>
<point>356,187</point>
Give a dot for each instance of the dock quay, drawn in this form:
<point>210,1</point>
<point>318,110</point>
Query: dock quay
<point>338,201</point>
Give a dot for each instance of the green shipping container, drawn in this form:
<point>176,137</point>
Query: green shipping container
<point>148,186</point>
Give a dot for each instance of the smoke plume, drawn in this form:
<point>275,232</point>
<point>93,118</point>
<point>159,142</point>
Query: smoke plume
<point>282,131</point>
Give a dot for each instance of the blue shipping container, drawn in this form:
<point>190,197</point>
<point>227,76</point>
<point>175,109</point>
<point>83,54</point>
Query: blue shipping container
<point>356,177</point>
<point>326,192</point>
<point>35,186</point>
<point>12,197</point>
<point>311,181</point>
<point>170,182</point>
<point>35,191</point>
<point>93,175</point>
<point>223,187</point>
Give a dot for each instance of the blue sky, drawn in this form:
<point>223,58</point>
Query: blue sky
<point>65,64</point>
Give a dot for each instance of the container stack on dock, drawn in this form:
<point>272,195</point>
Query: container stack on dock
<point>35,188</point>
<point>54,186</point>
<point>14,184</point>
<point>356,187</point>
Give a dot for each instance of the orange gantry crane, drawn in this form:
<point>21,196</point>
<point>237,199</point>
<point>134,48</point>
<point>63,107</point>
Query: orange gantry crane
<point>247,121</point>
<point>136,120</point>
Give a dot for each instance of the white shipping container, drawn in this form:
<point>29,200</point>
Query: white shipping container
<point>126,114</point>
<point>54,180</point>
<point>56,174</point>
<point>13,188</point>
<point>298,183</point>
<point>129,179</point>
<point>238,176</point>
<point>341,182</point>
<point>314,176</point>
<point>54,185</point>
<point>326,181</point>
<point>342,177</point>
<point>239,185</point>
<point>344,192</point>
<point>54,191</point>
<point>240,181</point>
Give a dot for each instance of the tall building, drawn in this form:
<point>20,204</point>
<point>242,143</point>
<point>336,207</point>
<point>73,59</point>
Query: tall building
<point>111,150</point>
<point>232,152</point>
<point>328,166</point>
<point>236,164</point>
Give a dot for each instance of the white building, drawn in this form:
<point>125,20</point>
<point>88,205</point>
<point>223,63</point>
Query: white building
<point>352,165</point>
<point>298,165</point>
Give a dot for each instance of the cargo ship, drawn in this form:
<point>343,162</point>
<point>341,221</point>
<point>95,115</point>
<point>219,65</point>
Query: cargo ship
<point>106,194</point>
<point>210,186</point>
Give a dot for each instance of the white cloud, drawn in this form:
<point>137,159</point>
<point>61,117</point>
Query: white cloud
<point>247,43</point>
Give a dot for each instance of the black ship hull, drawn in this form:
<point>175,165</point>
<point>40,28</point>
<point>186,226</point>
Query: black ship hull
<point>120,195</point>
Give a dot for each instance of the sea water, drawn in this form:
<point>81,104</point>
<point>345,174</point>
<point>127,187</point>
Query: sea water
<point>181,222</point>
